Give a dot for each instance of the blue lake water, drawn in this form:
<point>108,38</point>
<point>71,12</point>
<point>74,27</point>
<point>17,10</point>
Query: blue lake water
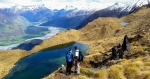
<point>124,23</point>
<point>41,64</point>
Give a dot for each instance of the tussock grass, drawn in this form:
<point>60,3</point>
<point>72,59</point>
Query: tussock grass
<point>116,72</point>
<point>143,75</point>
<point>100,28</point>
<point>147,63</point>
<point>101,74</point>
<point>132,69</point>
<point>131,72</point>
<point>86,71</point>
<point>81,77</point>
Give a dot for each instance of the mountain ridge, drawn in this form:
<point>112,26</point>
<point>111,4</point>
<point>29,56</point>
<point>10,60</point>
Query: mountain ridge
<point>116,10</point>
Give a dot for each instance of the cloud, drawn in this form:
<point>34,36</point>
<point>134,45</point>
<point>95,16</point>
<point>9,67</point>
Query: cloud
<point>62,3</point>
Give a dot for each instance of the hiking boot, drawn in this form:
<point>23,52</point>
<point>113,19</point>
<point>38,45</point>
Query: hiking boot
<point>75,72</point>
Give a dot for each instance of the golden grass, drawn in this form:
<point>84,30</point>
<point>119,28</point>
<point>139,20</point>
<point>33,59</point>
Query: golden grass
<point>101,74</point>
<point>100,28</point>
<point>116,72</point>
<point>61,38</point>
<point>86,71</point>
<point>8,58</point>
<point>81,77</point>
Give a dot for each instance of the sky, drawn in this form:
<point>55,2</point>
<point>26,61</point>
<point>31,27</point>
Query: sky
<point>63,3</point>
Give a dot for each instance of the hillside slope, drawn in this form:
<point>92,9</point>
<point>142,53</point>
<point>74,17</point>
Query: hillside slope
<point>134,66</point>
<point>12,24</point>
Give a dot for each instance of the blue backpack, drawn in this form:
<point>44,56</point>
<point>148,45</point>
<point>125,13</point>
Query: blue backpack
<point>69,57</point>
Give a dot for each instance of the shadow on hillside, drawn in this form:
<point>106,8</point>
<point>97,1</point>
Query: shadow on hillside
<point>59,46</point>
<point>99,64</point>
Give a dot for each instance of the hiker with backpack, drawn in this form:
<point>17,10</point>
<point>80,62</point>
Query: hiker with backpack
<point>78,57</point>
<point>69,61</point>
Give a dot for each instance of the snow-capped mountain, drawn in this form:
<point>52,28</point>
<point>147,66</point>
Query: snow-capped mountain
<point>22,8</point>
<point>129,7</point>
<point>62,14</point>
<point>116,10</point>
<point>43,13</point>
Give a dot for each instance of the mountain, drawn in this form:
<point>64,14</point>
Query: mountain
<point>36,13</point>
<point>12,24</point>
<point>116,10</point>
<point>70,20</point>
<point>69,16</point>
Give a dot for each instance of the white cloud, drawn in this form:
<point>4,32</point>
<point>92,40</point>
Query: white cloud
<point>62,3</point>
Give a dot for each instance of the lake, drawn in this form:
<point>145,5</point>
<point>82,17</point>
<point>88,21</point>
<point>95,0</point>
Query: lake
<point>124,23</point>
<point>42,63</point>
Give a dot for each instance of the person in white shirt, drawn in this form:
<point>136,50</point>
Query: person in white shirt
<point>77,63</point>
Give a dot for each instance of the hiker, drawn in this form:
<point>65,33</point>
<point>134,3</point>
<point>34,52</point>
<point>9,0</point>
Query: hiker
<point>78,58</point>
<point>69,61</point>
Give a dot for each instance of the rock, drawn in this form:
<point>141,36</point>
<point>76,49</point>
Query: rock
<point>148,39</point>
<point>126,44</point>
<point>63,69</point>
<point>114,52</point>
<point>147,49</point>
<point>147,55</point>
<point>104,67</point>
<point>110,63</point>
<point>94,69</point>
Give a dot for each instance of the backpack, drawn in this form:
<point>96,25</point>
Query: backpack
<point>80,58</point>
<point>69,57</point>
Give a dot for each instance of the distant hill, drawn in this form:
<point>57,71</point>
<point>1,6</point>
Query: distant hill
<point>71,19</point>
<point>12,24</point>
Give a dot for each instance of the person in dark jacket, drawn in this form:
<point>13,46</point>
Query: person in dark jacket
<point>69,61</point>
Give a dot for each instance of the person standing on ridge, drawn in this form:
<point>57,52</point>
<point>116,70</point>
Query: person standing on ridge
<point>69,61</point>
<point>77,67</point>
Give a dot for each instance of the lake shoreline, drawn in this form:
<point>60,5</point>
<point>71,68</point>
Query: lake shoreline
<point>61,47</point>
<point>16,55</point>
